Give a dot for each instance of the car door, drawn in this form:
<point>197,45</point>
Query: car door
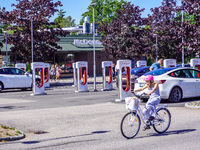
<point>22,80</point>
<point>196,78</point>
<point>187,83</point>
<point>8,78</point>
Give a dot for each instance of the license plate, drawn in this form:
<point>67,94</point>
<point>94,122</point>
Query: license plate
<point>141,84</point>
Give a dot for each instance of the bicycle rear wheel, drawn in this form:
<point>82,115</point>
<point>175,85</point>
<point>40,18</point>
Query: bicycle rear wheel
<point>162,120</point>
<point>130,125</point>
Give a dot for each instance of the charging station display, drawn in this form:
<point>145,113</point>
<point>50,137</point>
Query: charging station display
<point>38,78</point>
<point>141,63</point>
<point>195,63</point>
<point>167,63</point>
<point>74,75</point>
<point>82,72</point>
<point>46,75</point>
<point>21,66</point>
<point>107,75</point>
<point>124,77</point>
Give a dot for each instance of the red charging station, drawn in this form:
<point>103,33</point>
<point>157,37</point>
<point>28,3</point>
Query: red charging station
<point>38,78</point>
<point>124,80</point>
<point>107,75</point>
<point>169,63</point>
<point>82,72</point>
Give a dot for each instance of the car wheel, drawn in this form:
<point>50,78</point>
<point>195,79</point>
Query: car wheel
<point>1,86</point>
<point>175,95</point>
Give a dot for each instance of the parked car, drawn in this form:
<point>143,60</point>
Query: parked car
<point>174,83</point>
<point>14,78</point>
<point>135,73</point>
<point>180,65</point>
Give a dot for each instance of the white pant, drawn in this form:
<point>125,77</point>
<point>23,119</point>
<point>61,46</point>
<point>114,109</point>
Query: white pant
<point>149,109</point>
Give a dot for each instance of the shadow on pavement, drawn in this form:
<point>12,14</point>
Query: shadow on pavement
<point>168,133</point>
<point>10,107</point>
<point>52,139</point>
<point>173,132</point>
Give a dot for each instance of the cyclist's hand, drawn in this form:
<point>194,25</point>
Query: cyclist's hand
<point>148,93</point>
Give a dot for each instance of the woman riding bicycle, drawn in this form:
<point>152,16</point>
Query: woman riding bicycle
<point>154,99</point>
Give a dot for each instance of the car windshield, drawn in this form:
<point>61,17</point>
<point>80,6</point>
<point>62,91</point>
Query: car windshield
<point>135,70</point>
<point>159,71</point>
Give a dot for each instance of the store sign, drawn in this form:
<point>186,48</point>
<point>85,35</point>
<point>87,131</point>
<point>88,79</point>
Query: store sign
<point>86,42</point>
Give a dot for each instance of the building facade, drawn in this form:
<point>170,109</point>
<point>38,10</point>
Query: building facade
<point>74,48</point>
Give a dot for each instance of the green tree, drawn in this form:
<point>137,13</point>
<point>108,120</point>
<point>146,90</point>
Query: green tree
<point>124,37</point>
<point>64,22</point>
<point>105,10</point>
<point>149,61</point>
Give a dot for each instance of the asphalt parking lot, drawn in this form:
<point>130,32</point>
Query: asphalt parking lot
<point>63,119</point>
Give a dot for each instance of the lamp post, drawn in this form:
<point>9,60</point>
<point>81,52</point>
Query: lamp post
<point>182,43</point>
<point>31,36</point>
<point>94,67</point>
<point>6,47</point>
<point>31,16</point>
<point>156,47</point>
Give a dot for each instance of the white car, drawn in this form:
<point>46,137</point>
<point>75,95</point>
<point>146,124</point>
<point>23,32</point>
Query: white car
<point>174,83</point>
<point>13,78</point>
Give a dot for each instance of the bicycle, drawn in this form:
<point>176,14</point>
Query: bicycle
<point>131,122</point>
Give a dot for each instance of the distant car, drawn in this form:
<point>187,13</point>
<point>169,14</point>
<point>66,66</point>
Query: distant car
<point>174,83</point>
<point>135,73</point>
<point>14,78</point>
<point>185,65</point>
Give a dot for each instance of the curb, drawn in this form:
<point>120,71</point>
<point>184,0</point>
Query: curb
<point>193,105</point>
<point>13,138</point>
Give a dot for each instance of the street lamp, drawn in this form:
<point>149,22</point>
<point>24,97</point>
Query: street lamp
<point>31,16</point>
<point>182,43</point>
<point>6,47</point>
<point>156,47</point>
<point>94,67</point>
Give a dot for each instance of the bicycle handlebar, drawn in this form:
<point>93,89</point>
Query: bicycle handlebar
<point>139,96</point>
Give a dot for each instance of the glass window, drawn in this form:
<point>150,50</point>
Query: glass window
<point>12,71</point>
<point>181,74</point>
<point>20,72</point>
<point>5,71</point>
<point>1,71</point>
<point>195,73</point>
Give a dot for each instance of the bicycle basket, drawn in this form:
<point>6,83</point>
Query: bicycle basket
<point>132,103</point>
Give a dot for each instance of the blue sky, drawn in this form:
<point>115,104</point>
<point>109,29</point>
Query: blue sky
<point>76,8</point>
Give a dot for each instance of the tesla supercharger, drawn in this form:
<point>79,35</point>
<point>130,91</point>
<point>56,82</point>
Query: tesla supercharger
<point>124,90</point>
<point>46,75</point>
<point>21,66</point>
<point>195,63</point>
<point>107,75</point>
<point>82,71</point>
<point>38,78</point>
<point>74,74</point>
<point>169,63</point>
<point>141,63</point>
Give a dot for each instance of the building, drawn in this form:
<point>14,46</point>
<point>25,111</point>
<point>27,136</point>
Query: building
<point>74,48</point>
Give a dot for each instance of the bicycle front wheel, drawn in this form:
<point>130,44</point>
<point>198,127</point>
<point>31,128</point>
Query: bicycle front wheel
<point>130,125</point>
<point>162,120</point>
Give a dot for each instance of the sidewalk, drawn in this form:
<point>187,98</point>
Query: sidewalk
<point>193,105</point>
<point>70,81</point>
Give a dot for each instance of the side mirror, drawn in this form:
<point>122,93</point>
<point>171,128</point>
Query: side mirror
<point>27,74</point>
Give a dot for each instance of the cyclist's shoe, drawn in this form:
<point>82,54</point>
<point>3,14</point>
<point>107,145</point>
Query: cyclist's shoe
<point>146,127</point>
